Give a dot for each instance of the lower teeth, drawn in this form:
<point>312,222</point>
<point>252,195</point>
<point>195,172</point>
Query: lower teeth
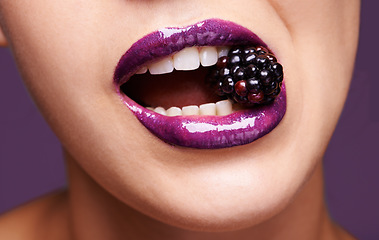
<point>220,108</point>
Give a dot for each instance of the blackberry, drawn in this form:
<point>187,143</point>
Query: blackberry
<point>253,85</point>
<point>238,73</point>
<point>248,75</point>
<point>241,89</point>
<point>222,62</point>
<point>251,58</point>
<point>227,85</point>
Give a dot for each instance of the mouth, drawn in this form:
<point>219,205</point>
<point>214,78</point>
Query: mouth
<point>166,80</point>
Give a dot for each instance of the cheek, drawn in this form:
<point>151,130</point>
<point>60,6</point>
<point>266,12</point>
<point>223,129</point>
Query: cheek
<point>64,58</point>
<point>325,69</point>
<point>324,36</point>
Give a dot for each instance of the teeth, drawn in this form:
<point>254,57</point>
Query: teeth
<point>224,107</point>
<point>160,110</point>
<point>190,59</point>
<point>187,59</point>
<point>190,110</point>
<point>163,66</point>
<point>174,111</point>
<point>142,70</point>
<point>208,56</point>
<point>208,109</point>
<point>220,108</point>
<point>223,51</point>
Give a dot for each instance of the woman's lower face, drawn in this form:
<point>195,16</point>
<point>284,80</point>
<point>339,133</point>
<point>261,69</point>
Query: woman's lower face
<point>68,52</point>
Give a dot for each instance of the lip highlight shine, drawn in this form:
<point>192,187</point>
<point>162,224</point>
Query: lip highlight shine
<point>203,132</point>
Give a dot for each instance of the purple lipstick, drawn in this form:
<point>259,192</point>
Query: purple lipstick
<point>198,131</point>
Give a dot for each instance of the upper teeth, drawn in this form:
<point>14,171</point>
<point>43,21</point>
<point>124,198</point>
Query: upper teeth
<point>186,59</point>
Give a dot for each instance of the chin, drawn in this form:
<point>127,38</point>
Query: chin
<point>216,195</point>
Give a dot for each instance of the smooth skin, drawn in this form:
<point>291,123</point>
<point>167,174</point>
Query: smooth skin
<point>124,183</point>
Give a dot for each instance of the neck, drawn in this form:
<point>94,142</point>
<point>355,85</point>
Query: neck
<point>96,215</point>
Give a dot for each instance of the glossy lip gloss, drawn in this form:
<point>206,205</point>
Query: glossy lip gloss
<point>204,132</point>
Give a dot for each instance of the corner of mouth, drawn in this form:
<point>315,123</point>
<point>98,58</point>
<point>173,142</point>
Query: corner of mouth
<point>202,132</point>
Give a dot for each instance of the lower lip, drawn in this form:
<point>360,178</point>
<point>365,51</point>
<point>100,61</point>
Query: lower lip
<point>212,132</point>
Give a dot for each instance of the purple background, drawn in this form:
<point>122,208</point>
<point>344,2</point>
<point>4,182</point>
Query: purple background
<point>31,163</point>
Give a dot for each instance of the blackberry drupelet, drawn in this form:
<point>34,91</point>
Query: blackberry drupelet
<point>248,75</point>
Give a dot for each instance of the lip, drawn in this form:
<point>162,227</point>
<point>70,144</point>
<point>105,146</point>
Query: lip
<point>203,132</point>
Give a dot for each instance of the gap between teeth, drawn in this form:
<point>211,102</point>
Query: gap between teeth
<point>220,108</point>
<point>187,59</point>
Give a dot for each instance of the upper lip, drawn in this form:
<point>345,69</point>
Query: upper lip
<point>161,43</point>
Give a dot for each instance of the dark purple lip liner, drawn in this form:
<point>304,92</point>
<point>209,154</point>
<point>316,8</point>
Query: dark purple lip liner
<point>204,132</point>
